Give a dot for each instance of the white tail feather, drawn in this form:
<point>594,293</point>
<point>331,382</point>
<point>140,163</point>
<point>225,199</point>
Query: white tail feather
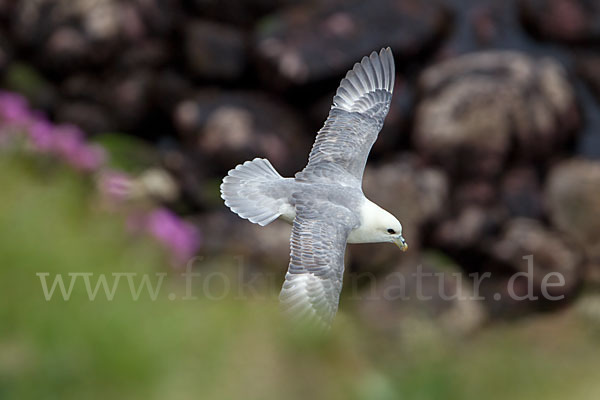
<point>245,190</point>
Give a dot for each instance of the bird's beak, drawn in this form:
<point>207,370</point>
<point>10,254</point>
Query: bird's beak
<point>401,243</point>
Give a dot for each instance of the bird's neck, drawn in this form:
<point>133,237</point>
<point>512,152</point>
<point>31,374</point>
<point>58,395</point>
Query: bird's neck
<point>371,216</point>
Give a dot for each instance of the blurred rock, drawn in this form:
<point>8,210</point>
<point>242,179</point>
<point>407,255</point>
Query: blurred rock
<point>592,273</point>
<point>475,213</point>
<point>468,229</point>
<point>214,51</point>
<point>91,118</point>
<point>235,12</point>
<point>66,35</point>
<point>550,253</point>
<point>148,53</point>
<point>82,86</point>
<point>158,184</point>
<point>421,287</point>
<point>477,192</point>
<point>474,107</point>
<point>314,42</point>
<point>171,87</point>
<point>264,247</point>
<point>588,306</point>
<point>129,97</point>
<point>124,98</point>
<point>522,193</point>
<point>5,53</point>
<point>573,199</point>
<point>82,104</point>
<point>483,24</point>
<point>414,194</point>
<point>564,20</point>
<point>228,128</point>
<point>46,27</point>
<point>6,7</point>
<point>588,67</point>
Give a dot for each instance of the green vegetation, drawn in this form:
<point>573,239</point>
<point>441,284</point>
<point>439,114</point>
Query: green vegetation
<point>229,349</point>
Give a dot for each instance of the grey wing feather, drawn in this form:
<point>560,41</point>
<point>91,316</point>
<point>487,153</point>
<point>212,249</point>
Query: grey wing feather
<point>313,281</point>
<point>359,107</point>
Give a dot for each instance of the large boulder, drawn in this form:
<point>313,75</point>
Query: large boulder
<point>66,35</point>
<point>468,228</point>
<point>521,193</point>
<point>214,51</point>
<point>523,267</point>
<point>89,116</point>
<point>588,67</point>
<point>573,199</point>
<point>107,103</point>
<point>235,12</point>
<point>426,288</point>
<point>265,249</point>
<point>479,208</point>
<point>564,20</point>
<point>5,52</point>
<point>313,42</point>
<point>474,107</point>
<point>544,257</point>
<point>228,128</point>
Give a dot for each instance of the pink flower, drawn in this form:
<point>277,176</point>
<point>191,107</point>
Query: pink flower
<point>41,135</point>
<point>180,237</point>
<point>115,185</point>
<point>88,157</point>
<point>68,143</point>
<point>14,108</point>
<point>68,139</point>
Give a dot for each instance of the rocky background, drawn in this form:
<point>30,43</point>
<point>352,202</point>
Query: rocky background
<point>489,153</point>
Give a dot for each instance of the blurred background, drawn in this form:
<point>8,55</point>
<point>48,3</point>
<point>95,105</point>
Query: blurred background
<point>118,120</point>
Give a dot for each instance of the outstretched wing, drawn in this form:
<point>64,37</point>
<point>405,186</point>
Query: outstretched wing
<point>313,281</point>
<point>359,107</point>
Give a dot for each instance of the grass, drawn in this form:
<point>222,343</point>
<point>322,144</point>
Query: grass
<point>144,349</point>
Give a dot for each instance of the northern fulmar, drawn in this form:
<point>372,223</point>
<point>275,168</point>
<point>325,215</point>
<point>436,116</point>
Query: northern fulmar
<point>324,202</point>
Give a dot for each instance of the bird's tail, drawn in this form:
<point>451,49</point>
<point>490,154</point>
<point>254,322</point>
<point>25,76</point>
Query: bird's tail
<point>253,190</point>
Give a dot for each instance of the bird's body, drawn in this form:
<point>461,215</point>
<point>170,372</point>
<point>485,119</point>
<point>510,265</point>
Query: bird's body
<point>324,202</point>
<point>370,214</point>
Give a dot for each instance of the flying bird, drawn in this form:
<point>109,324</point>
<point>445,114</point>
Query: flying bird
<point>324,202</point>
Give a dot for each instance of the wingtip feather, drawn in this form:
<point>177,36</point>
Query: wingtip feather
<point>373,73</point>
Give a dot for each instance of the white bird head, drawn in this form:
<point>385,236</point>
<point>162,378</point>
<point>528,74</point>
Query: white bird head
<point>378,226</point>
<point>390,230</point>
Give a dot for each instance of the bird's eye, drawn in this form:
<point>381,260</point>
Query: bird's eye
<point>391,231</point>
